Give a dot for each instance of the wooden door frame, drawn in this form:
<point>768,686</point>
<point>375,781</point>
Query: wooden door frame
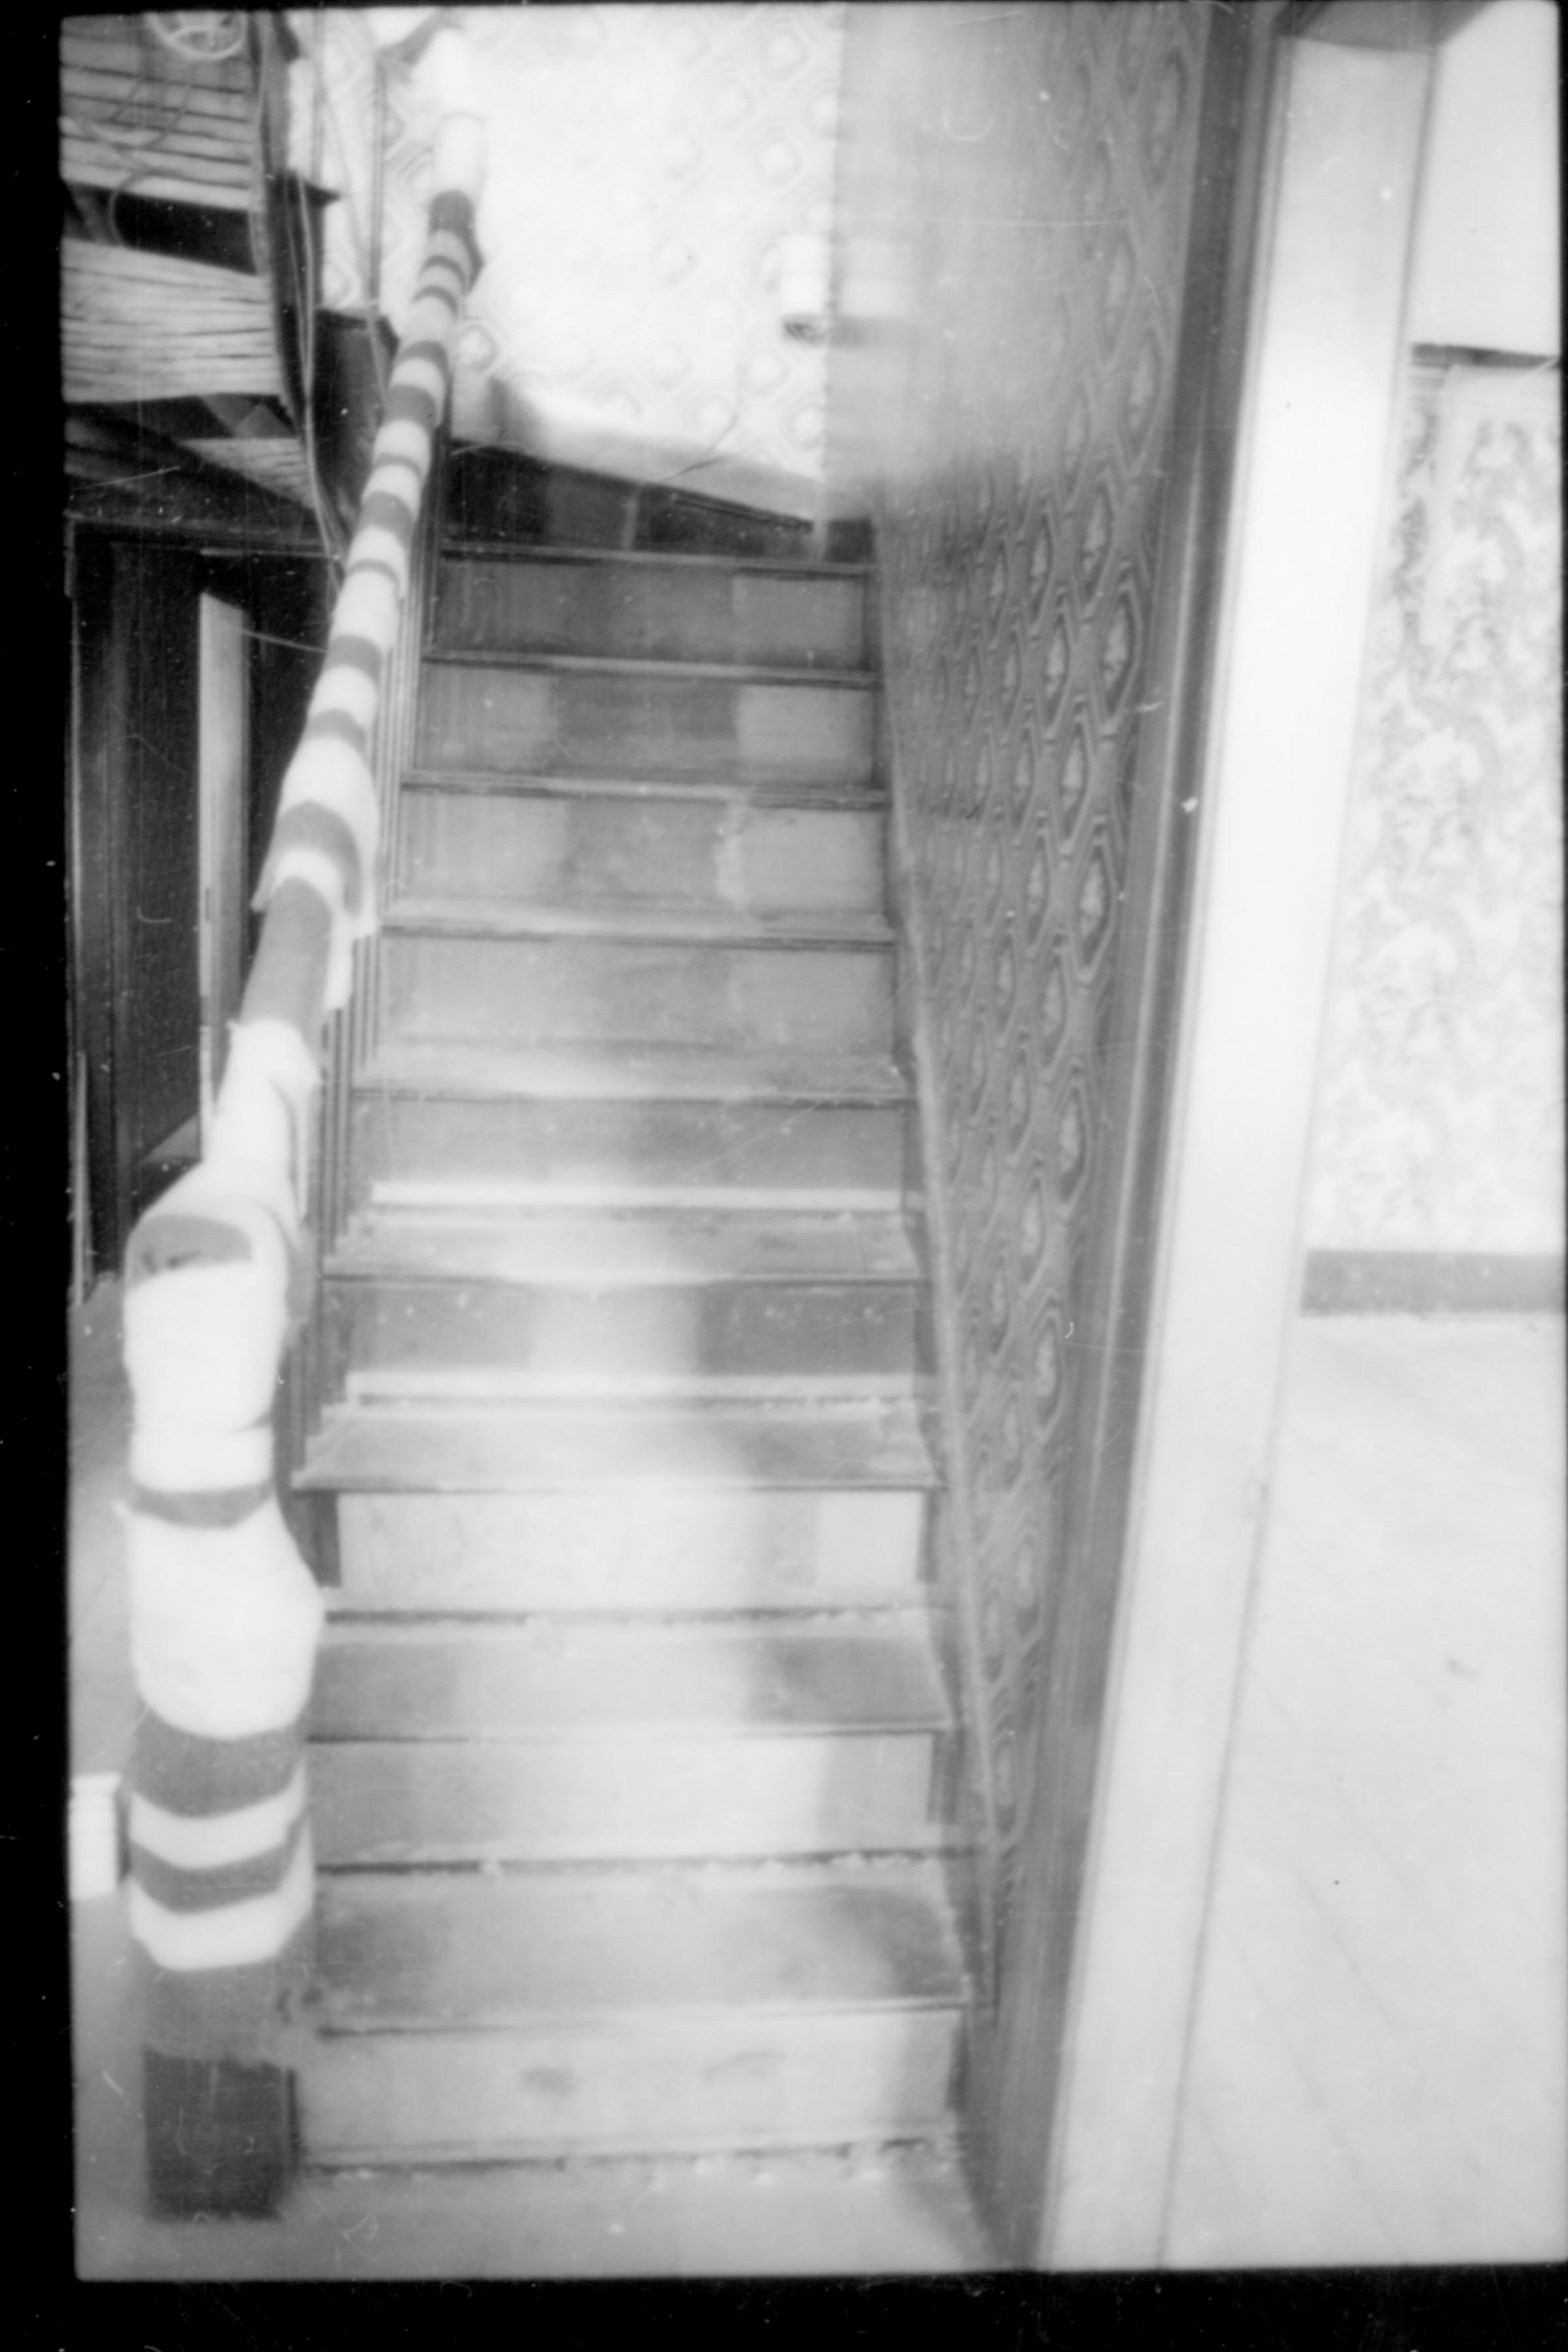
<point>1202,1263</point>
<point>1021,2049</point>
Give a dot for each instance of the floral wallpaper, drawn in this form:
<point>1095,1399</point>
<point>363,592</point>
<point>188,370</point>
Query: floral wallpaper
<point>645,164</point>
<point>1439,1123</point>
<point>1014,196</point>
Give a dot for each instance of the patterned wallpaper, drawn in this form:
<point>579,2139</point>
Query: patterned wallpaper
<point>1014,194</point>
<point>643,164</point>
<point>1440,1123</point>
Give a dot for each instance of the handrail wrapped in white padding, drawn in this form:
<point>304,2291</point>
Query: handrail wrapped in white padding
<point>226,1617</point>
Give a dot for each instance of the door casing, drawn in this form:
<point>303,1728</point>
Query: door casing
<point>1283,642</point>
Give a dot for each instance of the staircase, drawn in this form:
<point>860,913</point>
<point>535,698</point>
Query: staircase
<point>632,1753</point>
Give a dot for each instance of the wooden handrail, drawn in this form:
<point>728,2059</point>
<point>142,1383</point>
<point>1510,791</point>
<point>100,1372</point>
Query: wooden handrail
<point>225,1615</point>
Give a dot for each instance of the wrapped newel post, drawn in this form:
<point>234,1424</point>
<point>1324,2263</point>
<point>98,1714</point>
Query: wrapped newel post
<point>226,1617</point>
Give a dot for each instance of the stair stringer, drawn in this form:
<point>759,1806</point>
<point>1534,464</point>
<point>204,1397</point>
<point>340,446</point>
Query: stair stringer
<point>953,1533</point>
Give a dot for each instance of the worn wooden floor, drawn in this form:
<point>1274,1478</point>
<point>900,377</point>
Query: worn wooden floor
<point>1378,2068</point>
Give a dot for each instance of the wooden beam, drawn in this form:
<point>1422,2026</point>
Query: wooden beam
<point>129,478</point>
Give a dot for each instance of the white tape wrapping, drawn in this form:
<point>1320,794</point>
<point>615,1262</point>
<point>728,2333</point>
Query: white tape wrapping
<point>203,1345</point>
<point>375,544</point>
<point>428,321</point>
<point>448,73</point>
<point>421,375</point>
<point>400,437</point>
<point>333,775</point>
<point>211,1841</point>
<point>237,1936</point>
<point>390,478</point>
<point>224,1624</point>
<point>347,690</point>
<point>458,162</point>
<point>174,1460</point>
<point>323,875</point>
<point>368,606</point>
<point>256,1149</point>
<point>249,1178</point>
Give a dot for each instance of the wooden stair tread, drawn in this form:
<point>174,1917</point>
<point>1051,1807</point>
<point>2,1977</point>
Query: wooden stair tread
<point>789,567</point>
<point>681,926</point>
<point>565,1943</point>
<point>558,1249</point>
<point>549,1679</point>
<point>770,793</point>
<point>621,665</point>
<point>446,1451</point>
<point>594,1385</point>
<point>630,1073</point>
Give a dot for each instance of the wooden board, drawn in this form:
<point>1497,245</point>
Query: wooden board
<point>550,1679</point>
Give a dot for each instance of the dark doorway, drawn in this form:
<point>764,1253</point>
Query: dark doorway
<point>143,610</point>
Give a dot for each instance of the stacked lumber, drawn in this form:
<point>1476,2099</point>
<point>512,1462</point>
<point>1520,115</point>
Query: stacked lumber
<point>146,326</point>
<point>135,116</point>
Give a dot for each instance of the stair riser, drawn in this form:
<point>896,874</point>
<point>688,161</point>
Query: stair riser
<point>669,611</point>
<point>755,1330</point>
<point>375,1801</point>
<point>805,1147</point>
<point>704,2082</point>
<point>494,494</point>
<point>498,1683</point>
<point>570,849</point>
<point>576,991</point>
<point>632,1551</point>
<point>514,721</point>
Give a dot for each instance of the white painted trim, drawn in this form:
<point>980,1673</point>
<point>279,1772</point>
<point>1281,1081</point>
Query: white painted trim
<point>1299,570</point>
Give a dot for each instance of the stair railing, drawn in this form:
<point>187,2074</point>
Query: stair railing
<point>226,1617</point>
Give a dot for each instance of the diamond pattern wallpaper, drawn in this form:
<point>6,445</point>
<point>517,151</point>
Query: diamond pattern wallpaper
<point>1439,1119</point>
<point>645,164</point>
<point>1014,194</point>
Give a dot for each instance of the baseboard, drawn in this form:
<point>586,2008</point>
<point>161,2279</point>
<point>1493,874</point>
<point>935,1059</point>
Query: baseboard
<point>1431,1282</point>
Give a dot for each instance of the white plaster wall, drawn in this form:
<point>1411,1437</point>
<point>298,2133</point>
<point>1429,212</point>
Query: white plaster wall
<point>645,166</point>
<point>1487,242</point>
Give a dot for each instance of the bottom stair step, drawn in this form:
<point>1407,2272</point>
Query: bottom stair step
<point>467,2017</point>
<point>877,2212</point>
